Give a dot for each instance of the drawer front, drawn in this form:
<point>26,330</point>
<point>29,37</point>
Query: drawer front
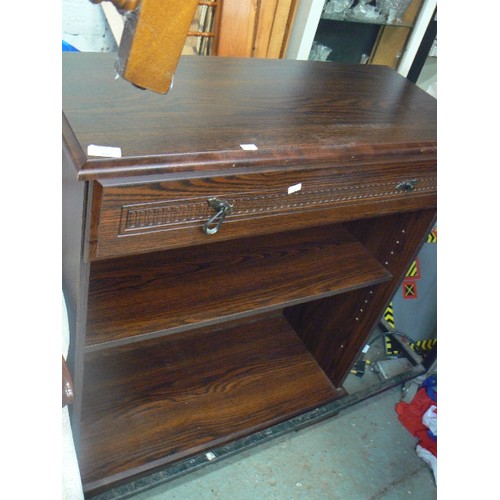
<point>142,216</point>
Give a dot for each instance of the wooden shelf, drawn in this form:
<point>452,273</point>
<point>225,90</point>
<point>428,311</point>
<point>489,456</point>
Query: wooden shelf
<point>351,35</point>
<point>167,292</point>
<point>197,390</point>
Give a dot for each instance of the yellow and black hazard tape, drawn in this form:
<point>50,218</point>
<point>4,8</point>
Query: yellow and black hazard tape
<point>423,345</point>
<point>389,316</point>
<point>359,367</point>
<point>413,270</point>
<point>432,236</point>
<point>390,348</point>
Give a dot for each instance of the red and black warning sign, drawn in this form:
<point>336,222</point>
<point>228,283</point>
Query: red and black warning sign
<point>410,289</point>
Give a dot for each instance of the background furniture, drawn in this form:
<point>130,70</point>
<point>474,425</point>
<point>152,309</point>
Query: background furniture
<point>232,28</point>
<point>355,38</point>
<point>252,28</point>
<point>203,35</point>
<point>225,269</point>
<point>309,26</point>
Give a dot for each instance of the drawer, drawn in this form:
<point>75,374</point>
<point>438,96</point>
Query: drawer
<point>136,215</point>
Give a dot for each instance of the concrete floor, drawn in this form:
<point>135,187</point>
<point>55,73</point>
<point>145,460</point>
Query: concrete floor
<point>362,453</point>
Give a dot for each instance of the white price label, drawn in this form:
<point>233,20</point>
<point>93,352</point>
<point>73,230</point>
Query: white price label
<point>106,151</point>
<point>249,147</point>
<point>295,188</point>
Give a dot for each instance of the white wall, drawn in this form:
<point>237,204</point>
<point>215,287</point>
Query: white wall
<point>304,28</point>
<point>84,26</point>
<point>416,36</point>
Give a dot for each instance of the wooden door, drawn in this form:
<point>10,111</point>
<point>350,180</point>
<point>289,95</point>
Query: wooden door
<point>255,28</point>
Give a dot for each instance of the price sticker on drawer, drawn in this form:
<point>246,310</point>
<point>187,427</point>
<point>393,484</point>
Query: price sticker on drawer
<point>106,151</point>
<point>295,188</point>
<point>249,147</point>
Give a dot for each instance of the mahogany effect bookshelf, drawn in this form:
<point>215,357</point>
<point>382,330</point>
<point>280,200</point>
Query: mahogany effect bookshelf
<point>225,268</point>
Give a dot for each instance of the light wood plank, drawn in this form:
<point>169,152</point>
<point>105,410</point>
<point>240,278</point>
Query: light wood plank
<point>392,39</point>
<point>279,31</point>
<point>237,27</point>
<point>265,21</point>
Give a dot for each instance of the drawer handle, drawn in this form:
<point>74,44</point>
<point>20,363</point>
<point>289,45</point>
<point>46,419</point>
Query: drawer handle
<point>222,208</point>
<point>407,186</point>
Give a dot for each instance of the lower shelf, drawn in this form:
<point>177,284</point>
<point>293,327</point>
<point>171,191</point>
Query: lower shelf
<point>196,390</point>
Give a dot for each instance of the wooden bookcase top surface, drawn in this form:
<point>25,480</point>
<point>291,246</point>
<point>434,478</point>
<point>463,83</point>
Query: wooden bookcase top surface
<point>291,111</point>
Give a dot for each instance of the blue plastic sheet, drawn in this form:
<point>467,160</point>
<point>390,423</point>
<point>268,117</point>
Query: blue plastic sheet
<point>67,47</point>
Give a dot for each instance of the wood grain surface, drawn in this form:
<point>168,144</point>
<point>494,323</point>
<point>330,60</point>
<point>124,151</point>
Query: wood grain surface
<point>152,41</point>
<point>335,329</point>
<point>298,112</point>
<point>169,211</point>
<point>176,290</point>
<point>181,344</point>
<point>196,390</point>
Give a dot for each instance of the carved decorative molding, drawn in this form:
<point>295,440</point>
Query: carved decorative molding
<point>161,215</point>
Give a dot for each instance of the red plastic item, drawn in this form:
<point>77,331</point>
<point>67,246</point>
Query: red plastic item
<point>410,415</point>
